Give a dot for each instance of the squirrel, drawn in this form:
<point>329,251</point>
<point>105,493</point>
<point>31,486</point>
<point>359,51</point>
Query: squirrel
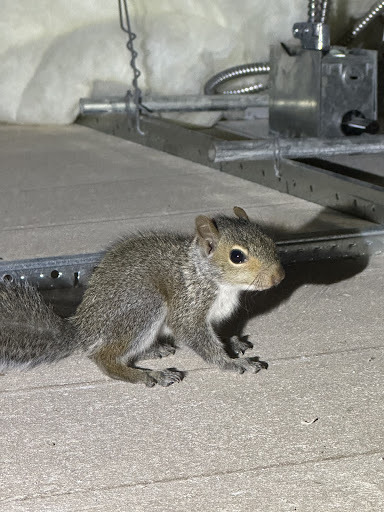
<point>148,286</point>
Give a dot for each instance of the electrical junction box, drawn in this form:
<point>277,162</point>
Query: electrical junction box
<point>322,94</point>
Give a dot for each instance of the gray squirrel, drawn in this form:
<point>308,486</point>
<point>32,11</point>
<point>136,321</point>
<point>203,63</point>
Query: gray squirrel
<point>148,286</point>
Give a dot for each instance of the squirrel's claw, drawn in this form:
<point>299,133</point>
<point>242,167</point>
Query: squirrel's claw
<point>250,364</point>
<point>164,377</point>
<point>239,344</point>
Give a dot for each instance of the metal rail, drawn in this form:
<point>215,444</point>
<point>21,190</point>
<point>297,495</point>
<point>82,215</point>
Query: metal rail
<point>183,103</point>
<point>264,149</point>
<point>308,181</point>
<point>74,271</point>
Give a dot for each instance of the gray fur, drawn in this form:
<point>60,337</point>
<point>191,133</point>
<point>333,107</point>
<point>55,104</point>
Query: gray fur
<point>30,332</point>
<point>146,285</point>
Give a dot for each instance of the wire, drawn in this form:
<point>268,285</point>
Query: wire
<point>125,26</point>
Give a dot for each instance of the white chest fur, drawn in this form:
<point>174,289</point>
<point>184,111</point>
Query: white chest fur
<point>226,302</point>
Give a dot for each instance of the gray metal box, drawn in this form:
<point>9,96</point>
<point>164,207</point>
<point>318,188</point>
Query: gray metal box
<point>312,91</point>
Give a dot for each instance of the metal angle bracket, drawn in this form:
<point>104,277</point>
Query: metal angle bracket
<point>51,273</point>
<point>313,36</point>
<point>75,271</point>
<point>320,247</point>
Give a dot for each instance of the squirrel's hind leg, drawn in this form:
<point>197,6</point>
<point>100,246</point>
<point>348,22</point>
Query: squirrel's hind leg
<point>108,358</point>
<point>117,362</point>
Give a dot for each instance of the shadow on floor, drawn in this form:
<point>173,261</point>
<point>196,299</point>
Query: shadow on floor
<point>318,273</point>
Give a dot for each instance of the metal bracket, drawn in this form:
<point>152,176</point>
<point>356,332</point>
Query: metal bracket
<point>313,36</point>
<point>75,271</point>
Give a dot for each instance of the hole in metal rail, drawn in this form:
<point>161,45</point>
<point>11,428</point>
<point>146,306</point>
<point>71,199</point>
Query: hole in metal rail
<point>7,277</point>
<point>76,276</point>
<point>337,196</point>
<point>55,274</point>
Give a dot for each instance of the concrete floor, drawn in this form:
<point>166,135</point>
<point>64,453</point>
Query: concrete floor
<point>305,435</point>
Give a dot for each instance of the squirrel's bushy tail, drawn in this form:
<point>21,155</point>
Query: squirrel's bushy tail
<point>30,331</point>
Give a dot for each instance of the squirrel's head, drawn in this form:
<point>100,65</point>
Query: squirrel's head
<point>245,256</point>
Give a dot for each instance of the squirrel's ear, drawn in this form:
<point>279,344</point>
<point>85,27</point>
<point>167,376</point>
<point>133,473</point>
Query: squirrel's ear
<point>239,212</point>
<point>207,233</point>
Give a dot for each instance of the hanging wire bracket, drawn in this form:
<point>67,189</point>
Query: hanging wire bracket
<point>125,26</point>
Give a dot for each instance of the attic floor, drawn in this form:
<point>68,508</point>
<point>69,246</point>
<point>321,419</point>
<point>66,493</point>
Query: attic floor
<point>305,435</point>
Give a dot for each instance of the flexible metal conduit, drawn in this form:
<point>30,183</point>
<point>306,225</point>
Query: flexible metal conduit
<point>237,72</point>
<point>324,11</point>
<point>317,12</point>
<point>312,8</point>
<point>376,10</point>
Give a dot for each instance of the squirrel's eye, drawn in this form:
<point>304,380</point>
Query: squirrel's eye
<point>237,256</point>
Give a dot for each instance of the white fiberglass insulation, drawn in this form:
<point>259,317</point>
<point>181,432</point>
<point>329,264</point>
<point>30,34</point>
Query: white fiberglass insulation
<point>52,52</point>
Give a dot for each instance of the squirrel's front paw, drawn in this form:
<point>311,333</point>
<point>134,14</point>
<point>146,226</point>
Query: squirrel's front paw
<point>250,364</point>
<point>238,345</point>
<point>164,377</point>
